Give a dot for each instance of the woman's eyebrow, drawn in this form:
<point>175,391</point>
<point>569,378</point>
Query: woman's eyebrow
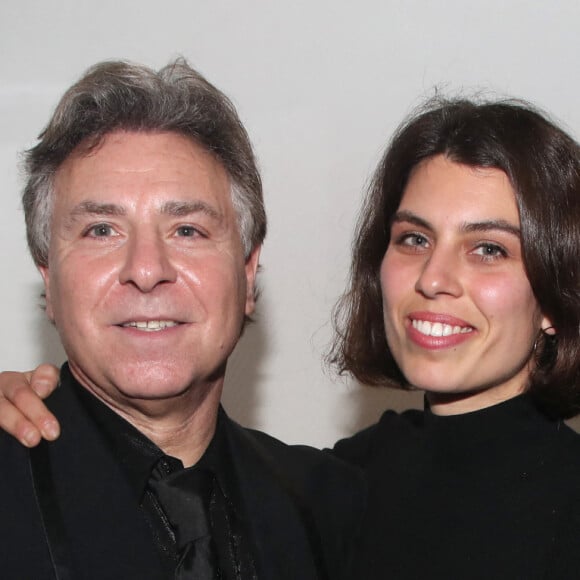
<point>480,226</point>
<point>408,216</point>
<point>491,225</point>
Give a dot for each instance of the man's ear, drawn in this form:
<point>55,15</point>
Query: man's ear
<point>48,302</point>
<point>251,272</point>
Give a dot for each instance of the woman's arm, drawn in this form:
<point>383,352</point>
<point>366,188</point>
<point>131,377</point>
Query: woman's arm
<point>22,412</point>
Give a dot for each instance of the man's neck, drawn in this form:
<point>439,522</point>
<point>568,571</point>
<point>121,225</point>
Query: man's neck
<point>185,437</point>
<point>182,427</point>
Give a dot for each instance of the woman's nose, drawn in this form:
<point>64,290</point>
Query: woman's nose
<point>439,275</point>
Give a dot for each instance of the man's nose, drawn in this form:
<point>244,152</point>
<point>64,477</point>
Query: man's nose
<point>440,275</point>
<point>147,263</point>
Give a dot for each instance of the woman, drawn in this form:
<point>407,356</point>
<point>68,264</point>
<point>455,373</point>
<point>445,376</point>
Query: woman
<point>464,284</point>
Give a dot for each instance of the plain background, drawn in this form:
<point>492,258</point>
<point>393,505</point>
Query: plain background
<point>320,86</point>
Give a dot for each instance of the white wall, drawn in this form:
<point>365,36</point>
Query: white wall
<point>320,86</point>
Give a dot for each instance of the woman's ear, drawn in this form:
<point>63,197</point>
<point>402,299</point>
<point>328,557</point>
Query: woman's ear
<point>547,327</point>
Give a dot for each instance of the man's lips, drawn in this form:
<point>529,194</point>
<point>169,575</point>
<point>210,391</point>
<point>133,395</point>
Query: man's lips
<point>150,325</point>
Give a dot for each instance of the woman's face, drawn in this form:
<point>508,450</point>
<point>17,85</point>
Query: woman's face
<point>460,315</point>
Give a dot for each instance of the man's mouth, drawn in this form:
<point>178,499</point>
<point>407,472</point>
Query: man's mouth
<point>438,328</point>
<point>150,325</point>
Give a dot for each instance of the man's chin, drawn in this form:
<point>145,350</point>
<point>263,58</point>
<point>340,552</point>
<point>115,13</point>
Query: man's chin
<point>148,382</point>
<point>153,387</point>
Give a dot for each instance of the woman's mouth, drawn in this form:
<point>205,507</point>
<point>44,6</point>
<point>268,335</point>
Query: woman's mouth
<point>438,328</point>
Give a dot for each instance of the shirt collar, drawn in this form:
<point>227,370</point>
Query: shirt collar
<point>138,455</point>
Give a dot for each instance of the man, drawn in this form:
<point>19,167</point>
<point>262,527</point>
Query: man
<point>145,217</point>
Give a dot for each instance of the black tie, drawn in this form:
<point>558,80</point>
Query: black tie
<point>184,497</point>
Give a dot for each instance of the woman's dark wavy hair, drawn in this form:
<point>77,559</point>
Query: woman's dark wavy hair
<point>543,165</point>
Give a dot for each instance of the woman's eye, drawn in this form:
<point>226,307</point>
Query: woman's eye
<point>100,231</point>
<point>413,240</point>
<point>490,251</point>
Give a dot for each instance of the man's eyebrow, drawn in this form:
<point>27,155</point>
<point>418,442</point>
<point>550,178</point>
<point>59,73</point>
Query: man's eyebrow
<point>482,226</point>
<point>187,208</point>
<point>171,208</point>
<point>94,208</point>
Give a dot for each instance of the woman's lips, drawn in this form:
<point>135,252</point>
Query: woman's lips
<point>438,331</point>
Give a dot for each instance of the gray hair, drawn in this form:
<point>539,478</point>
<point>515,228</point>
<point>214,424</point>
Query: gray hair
<point>118,95</point>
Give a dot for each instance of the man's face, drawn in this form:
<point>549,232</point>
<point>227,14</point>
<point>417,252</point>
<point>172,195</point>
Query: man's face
<point>146,282</point>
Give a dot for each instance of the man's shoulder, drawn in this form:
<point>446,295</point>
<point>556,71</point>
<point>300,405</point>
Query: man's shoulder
<point>329,493</point>
<point>15,460</point>
<point>297,495</point>
<point>298,460</point>
<point>310,475</point>
<point>23,550</point>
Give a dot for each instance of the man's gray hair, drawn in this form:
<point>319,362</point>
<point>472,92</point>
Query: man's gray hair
<point>118,95</point>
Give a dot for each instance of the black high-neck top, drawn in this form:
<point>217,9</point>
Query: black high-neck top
<point>493,494</point>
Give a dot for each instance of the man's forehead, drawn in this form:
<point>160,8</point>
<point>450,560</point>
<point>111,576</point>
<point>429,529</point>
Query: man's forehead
<point>126,160</point>
<point>93,143</point>
<point>157,140</point>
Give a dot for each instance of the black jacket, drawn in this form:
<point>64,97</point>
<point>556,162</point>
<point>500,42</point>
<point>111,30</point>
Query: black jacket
<point>302,507</point>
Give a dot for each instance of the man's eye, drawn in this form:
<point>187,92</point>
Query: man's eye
<point>187,231</point>
<point>100,231</point>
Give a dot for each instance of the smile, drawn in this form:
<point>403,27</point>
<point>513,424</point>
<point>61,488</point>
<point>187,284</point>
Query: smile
<point>150,325</point>
<point>438,328</point>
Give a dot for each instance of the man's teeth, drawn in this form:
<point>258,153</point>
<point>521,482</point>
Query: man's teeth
<point>151,325</point>
<point>439,329</point>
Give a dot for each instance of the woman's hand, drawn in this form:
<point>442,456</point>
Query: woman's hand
<point>22,412</point>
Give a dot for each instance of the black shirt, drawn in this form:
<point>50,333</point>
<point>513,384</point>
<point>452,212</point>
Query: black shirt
<point>493,494</point>
<point>139,456</point>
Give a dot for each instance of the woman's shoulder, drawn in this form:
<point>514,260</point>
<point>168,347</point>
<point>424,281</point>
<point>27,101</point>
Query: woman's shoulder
<point>391,427</point>
<point>566,447</point>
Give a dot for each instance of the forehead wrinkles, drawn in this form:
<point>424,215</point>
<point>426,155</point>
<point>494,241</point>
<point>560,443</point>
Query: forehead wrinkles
<point>164,158</point>
<point>160,174</point>
<point>168,208</point>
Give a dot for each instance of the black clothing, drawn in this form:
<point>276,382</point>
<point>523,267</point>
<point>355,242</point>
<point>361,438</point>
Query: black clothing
<point>143,461</point>
<point>185,496</point>
<point>493,494</point>
<point>69,511</point>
